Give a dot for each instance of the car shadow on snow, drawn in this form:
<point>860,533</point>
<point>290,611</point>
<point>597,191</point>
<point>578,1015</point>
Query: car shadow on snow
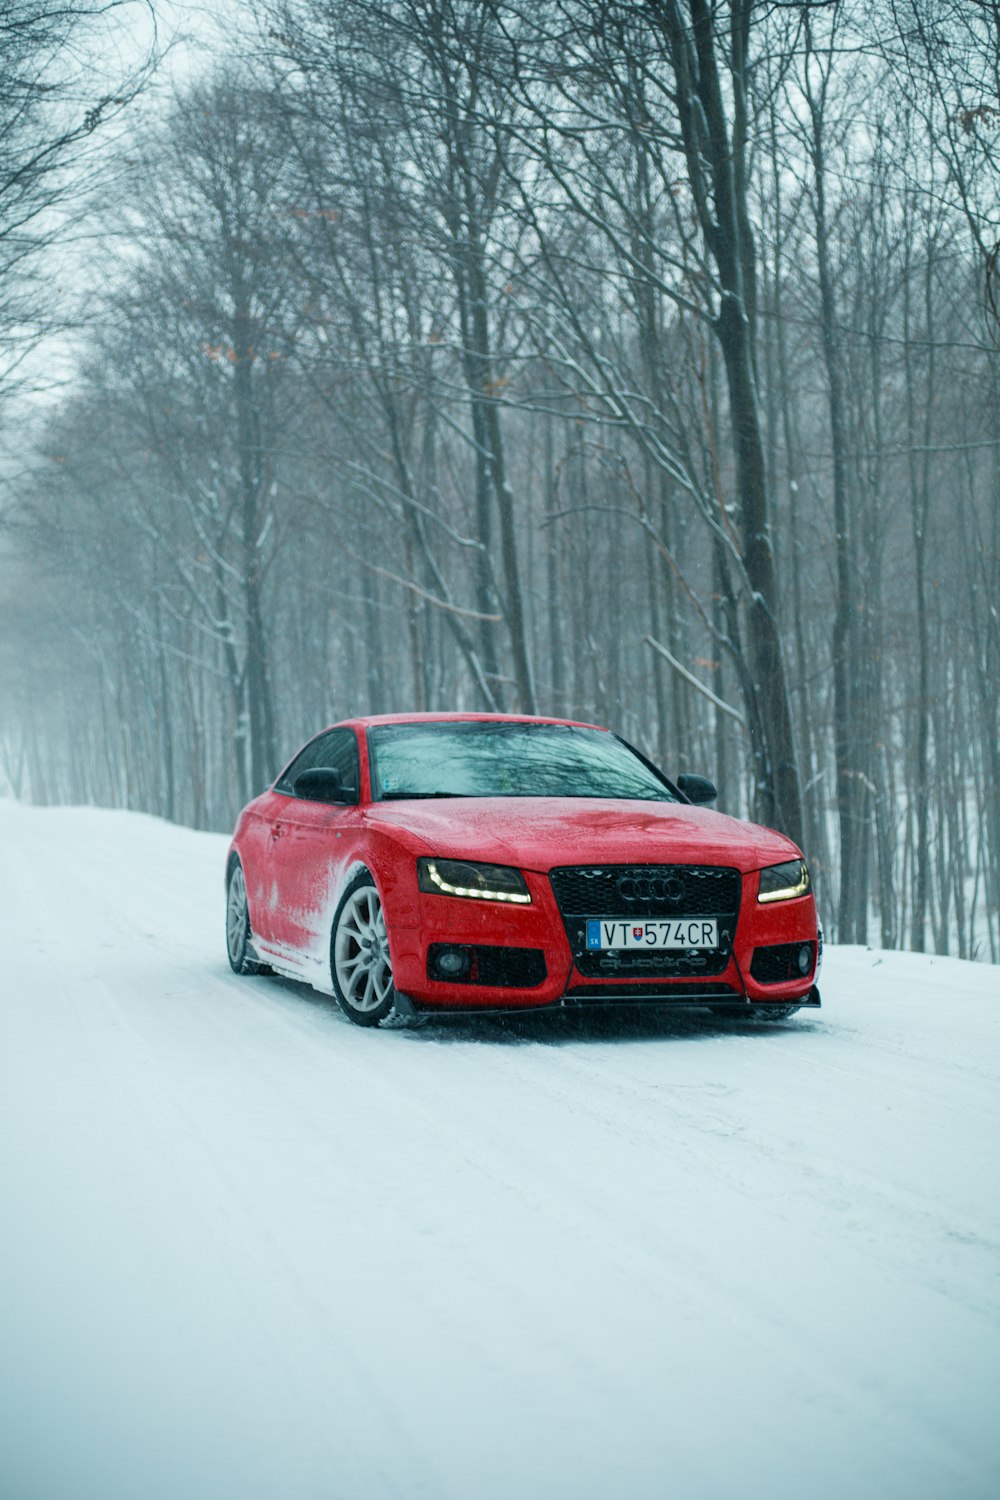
<point>624,1025</point>
<point>553,1027</point>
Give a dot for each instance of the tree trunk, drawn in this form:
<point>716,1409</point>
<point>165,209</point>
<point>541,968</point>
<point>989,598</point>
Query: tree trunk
<point>717,174</point>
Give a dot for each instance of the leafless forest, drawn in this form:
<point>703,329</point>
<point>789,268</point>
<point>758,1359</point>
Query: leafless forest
<point>630,360</point>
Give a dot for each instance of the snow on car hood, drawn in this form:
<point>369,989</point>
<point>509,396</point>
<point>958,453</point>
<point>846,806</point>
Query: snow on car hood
<point>538,833</point>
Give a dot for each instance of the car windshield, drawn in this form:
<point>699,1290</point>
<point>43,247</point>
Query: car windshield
<point>489,759</point>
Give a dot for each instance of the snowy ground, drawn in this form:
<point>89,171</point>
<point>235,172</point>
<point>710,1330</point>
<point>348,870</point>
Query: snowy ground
<point>248,1250</point>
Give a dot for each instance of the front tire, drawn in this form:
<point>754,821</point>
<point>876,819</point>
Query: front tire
<point>360,965</point>
<point>239,937</point>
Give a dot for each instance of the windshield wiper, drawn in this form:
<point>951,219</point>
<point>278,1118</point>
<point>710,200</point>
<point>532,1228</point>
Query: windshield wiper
<point>414,796</point>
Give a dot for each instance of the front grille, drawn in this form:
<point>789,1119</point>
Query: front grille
<point>647,891</point>
<point>779,963</point>
<point>652,961</point>
<point>678,890</point>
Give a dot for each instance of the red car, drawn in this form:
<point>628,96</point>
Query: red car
<point>432,863</point>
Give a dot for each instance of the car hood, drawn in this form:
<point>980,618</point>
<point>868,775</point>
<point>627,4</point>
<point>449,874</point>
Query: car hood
<point>538,833</point>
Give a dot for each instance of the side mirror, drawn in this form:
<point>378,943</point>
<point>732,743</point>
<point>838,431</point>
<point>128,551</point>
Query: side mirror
<point>322,784</point>
<point>697,789</point>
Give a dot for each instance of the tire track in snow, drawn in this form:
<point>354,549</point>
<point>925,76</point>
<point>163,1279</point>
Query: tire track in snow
<point>173,1144</point>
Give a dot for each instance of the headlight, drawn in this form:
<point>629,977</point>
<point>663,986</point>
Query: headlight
<point>457,877</point>
<point>782,882</point>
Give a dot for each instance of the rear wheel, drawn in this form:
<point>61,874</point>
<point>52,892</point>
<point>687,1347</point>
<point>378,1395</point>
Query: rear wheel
<point>359,955</point>
<point>238,934</point>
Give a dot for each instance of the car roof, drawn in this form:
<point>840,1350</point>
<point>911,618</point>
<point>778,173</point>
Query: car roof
<point>367,721</point>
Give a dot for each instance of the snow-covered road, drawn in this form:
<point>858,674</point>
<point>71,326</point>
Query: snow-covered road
<point>247,1250</point>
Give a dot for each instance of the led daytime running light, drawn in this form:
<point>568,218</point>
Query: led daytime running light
<point>518,898</point>
<point>788,892</point>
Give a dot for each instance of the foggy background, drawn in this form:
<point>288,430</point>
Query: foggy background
<point>630,362</point>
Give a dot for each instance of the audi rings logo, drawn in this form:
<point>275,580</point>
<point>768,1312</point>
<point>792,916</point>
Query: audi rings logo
<point>666,888</point>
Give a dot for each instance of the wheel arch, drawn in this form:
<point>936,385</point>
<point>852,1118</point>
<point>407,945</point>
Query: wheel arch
<point>390,857</point>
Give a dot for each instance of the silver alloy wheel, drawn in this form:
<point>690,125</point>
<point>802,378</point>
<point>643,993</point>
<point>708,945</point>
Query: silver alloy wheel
<point>237,918</point>
<point>361,952</point>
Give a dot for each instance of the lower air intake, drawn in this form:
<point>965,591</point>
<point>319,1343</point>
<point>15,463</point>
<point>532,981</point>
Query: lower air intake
<point>496,967</point>
<point>781,962</point>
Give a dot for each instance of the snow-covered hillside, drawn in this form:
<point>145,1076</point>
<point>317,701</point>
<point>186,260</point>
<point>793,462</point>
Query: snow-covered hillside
<point>247,1250</point>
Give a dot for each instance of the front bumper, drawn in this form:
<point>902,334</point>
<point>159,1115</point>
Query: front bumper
<point>430,921</point>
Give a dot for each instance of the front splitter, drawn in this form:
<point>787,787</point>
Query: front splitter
<point>594,997</point>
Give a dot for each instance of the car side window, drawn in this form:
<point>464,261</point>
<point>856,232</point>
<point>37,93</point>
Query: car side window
<point>338,749</point>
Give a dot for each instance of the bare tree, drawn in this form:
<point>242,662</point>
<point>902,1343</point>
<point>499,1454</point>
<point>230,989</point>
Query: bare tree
<point>673,83</point>
<point>417,73</point>
<point>56,99</point>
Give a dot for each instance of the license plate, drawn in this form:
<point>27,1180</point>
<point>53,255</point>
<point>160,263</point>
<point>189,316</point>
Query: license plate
<point>653,932</point>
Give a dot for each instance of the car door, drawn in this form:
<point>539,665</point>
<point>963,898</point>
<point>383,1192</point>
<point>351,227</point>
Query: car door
<point>309,845</point>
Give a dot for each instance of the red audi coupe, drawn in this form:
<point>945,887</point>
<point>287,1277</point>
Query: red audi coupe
<point>440,863</point>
